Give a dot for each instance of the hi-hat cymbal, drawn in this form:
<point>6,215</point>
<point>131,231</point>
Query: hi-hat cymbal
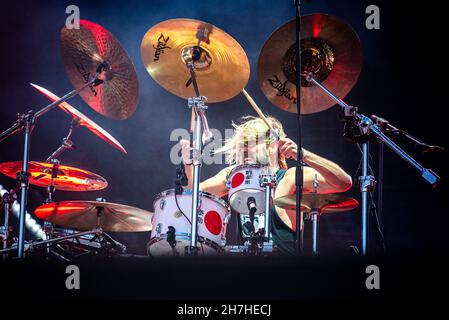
<point>82,119</point>
<point>66,179</point>
<point>87,215</point>
<point>324,203</point>
<point>83,50</point>
<point>330,49</point>
<point>221,65</point>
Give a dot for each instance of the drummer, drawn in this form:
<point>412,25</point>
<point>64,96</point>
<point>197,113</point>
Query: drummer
<point>252,142</point>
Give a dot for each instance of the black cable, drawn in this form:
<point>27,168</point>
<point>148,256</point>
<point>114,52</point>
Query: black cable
<point>180,210</point>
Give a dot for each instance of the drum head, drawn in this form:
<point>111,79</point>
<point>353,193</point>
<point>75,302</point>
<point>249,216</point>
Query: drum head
<point>239,200</point>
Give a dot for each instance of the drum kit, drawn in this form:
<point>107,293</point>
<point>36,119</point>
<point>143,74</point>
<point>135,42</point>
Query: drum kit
<point>193,60</point>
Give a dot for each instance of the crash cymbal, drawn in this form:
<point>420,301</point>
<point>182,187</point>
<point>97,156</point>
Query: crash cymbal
<point>221,65</point>
<point>329,48</point>
<point>87,215</point>
<point>82,119</point>
<point>325,203</point>
<point>83,50</point>
<point>67,178</point>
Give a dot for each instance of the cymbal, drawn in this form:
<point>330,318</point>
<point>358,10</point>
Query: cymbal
<point>330,49</point>
<point>67,178</point>
<point>82,119</point>
<point>221,65</point>
<point>83,50</point>
<point>85,215</point>
<point>324,203</point>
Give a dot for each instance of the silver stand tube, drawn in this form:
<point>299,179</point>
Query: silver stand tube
<point>196,173</point>
<point>367,126</point>
<point>267,224</point>
<point>26,122</point>
<point>97,231</point>
<point>365,183</point>
<point>315,220</point>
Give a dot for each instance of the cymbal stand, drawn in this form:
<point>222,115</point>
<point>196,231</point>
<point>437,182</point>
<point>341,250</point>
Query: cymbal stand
<point>32,244</point>
<point>267,181</point>
<point>368,128</point>
<point>190,56</point>
<point>26,123</point>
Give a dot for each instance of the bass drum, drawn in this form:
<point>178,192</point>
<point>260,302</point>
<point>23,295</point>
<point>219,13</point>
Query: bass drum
<point>171,224</point>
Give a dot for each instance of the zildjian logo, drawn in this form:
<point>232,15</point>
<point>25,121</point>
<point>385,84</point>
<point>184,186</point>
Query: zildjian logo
<point>161,45</point>
<point>86,76</point>
<point>282,89</point>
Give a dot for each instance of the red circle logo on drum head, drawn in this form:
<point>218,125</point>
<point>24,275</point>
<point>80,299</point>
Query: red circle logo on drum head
<point>237,179</point>
<point>213,223</point>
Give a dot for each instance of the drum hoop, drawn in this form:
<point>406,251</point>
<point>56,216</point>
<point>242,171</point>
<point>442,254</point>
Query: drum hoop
<point>246,165</point>
<point>188,191</point>
<point>206,241</point>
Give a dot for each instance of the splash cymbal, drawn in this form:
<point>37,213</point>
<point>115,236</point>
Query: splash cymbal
<point>330,49</point>
<point>324,203</point>
<point>221,65</point>
<point>83,50</point>
<point>87,215</point>
<point>82,119</point>
<point>66,179</point>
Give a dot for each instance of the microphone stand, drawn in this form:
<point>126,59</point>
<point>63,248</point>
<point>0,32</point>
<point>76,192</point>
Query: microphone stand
<point>299,172</point>
<point>26,123</point>
<point>368,127</point>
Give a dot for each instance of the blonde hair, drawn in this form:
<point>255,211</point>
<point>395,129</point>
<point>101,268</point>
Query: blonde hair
<point>250,128</point>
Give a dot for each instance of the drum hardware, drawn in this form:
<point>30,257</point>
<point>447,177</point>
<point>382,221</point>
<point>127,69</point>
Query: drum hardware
<point>197,104</point>
<point>85,215</point>
<point>7,198</point>
<point>54,174</point>
<point>82,53</point>
<point>269,183</point>
<point>79,119</point>
<point>221,65</point>
<point>33,244</point>
<point>171,238</point>
<point>208,55</point>
<point>368,127</point>
<point>64,178</point>
<point>26,123</point>
<point>171,234</point>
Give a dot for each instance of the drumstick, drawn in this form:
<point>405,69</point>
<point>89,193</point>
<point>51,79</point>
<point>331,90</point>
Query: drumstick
<point>259,112</point>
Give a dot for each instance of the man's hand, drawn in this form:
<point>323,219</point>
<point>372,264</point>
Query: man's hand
<point>289,149</point>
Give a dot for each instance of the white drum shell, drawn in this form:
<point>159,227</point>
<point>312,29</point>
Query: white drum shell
<point>167,213</point>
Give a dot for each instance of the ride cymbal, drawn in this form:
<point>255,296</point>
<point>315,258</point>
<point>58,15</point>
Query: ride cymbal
<point>87,215</point>
<point>83,50</point>
<point>82,119</point>
<point>66,179</point>
<point>330,49</point>
<point>221,65</point>
<point>324,203</point>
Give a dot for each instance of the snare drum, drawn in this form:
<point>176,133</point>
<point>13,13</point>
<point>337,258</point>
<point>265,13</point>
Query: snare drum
<point>243,182</point>
<point>171,210</point>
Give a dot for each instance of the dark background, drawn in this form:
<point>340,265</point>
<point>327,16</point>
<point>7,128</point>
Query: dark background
<point>398,82</point>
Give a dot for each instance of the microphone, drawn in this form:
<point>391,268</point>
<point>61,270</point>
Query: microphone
<point>181,178</point>
<point>252,208</point>
<point>171,236</point>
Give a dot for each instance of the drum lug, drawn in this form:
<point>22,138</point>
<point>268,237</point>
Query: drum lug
<point>158,228</point>
<point>162,204</point>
